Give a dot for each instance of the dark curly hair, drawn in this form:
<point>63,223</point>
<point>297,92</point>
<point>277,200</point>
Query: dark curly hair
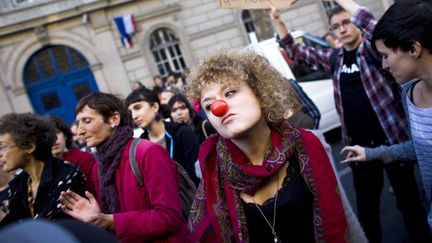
<point>63,127</point>
<point>27,129</point>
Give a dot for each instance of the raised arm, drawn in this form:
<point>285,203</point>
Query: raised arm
<point>280,25</point>
<point>317,59</point>
<point>349,5</point>
<point>361,17</point>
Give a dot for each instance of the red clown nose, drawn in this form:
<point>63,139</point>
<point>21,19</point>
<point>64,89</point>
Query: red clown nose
<point>219,108</point>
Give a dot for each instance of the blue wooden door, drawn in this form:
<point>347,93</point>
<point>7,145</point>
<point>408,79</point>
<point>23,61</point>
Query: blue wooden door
<point>56,77</point>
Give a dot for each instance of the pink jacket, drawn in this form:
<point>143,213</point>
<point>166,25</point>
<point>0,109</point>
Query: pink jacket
<point>152,212</point>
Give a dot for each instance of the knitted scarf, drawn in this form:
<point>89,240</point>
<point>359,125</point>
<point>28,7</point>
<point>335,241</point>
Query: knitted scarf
<point>217,213</point>
<point>110,153</point>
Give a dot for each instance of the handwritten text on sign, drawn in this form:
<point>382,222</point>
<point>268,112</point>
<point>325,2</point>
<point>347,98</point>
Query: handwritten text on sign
<point>255,4</point>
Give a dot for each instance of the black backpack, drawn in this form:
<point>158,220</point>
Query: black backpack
<point>187,188</point>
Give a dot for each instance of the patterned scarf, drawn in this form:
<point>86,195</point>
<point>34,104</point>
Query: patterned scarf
<point>217,213</point>
<point>110,153</point>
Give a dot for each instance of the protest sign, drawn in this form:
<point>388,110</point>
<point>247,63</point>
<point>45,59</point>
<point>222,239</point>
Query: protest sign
<point>255,4</point>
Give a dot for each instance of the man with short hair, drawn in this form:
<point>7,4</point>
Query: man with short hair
<point>369,108</point>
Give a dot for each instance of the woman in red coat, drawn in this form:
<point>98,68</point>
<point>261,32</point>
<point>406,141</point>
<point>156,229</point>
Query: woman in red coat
<point>135,213</point>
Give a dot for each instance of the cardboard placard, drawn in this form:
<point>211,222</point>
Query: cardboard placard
<point>255,4</point>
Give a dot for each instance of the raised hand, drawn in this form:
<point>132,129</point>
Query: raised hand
<point>355,154</point>
<point>83,209</point>
<point>280,25</point>
<point>349,5</point>
<point>274,12</point>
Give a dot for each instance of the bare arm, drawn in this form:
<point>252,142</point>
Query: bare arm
<point>280,25</point>
<point>349,5</point>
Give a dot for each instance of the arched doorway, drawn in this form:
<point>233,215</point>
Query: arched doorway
<point>56,77</point>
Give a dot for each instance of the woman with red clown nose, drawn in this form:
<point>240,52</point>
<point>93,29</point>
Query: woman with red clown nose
<point>264,180</point>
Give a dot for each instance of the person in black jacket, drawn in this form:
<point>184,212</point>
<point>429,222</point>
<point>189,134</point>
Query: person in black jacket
<point>181,112</point>
<point>178,139</point>
<point>25,143</point>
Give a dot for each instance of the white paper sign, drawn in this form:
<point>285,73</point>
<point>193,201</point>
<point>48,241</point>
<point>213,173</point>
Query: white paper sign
<point>255,4</point>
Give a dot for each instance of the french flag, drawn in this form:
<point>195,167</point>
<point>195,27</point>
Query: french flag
<point>126,26</point>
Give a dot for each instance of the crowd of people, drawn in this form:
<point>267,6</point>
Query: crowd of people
<point>243,135</point>
<point>370,108</point>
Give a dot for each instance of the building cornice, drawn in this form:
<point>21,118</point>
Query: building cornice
<point>158,11</point>
<point>211,31</point>
<point>50,17</point>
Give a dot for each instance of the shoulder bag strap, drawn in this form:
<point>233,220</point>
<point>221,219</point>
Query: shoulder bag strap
<point>133,162</point>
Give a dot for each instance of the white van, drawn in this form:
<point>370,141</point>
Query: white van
<point>317,85</point>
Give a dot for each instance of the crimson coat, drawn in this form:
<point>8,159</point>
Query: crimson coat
<point>151,212</point>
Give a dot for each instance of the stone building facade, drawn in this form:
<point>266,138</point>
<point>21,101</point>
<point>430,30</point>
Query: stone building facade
<point>52,52</point>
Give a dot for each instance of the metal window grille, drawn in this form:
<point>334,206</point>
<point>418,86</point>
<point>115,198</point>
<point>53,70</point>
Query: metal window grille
<point>165,47</point>
<point>248,21</point>
<point>329,6</point>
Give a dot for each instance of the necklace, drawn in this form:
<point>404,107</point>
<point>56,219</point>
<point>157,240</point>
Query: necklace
<point>30,198</point>
<point>272,226</point>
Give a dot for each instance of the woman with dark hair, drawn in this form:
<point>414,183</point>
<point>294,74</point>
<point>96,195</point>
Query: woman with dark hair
<point>178,139</point>
<point>25,143</point>
<point>135,212</point>
<point>403,37</point>
<point>63,149</point>
<point>181,112</point>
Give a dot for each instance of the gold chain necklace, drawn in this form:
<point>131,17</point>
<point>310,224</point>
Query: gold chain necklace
<point>30,198</point>
<point>272,226</point>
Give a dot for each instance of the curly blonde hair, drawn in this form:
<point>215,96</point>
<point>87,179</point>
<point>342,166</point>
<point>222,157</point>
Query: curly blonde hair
<point>227,67</point>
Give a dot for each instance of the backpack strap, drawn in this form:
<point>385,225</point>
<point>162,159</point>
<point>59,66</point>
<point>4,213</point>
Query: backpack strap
<point>133,162</point>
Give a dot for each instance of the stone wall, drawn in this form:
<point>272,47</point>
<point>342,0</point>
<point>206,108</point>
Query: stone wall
<point>87,26</point>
